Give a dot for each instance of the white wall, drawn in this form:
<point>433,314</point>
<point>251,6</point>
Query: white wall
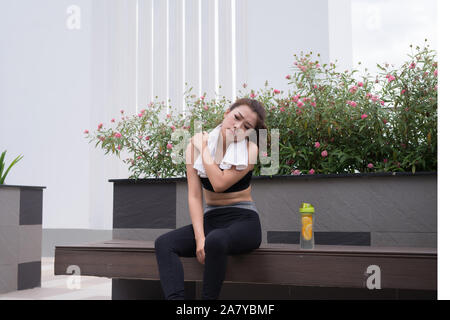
<point>55,82</point>
<point>45,102</point>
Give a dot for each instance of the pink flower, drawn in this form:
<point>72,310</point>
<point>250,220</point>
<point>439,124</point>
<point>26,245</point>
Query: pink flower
<point>311,171</point>
<point>360,84</point>
<point>295,62</point>
<point>303,68</point>
<point>370,166</point>
<point>363,116</point>
<point>385,160</point>
<point>140,137</point>
<point>382,102</point>
<point>435,73</point>
<point>276,91</point>
<point>100,125</point>
<point>140,115</point>
<point>296,172</point>
<point>86,131</point>
<point>102,138</point>
<point>324,153</point>
<point>315,86</point>
<point>384,121</point>
<point>317,145</point>
<point>352,103</point>
<point>412,65</point>
<point>205,107</point>
<point>282,109</point>
<point>169,146</point>
<point>295,98</point>
<point>173,128</point>
<point>353,89</point>
<point>300,104</point>
<point>318,65</point>
<point>147,138</point>
<point>121,111</point>
<point>202,97</point>
<point>403,91</point>
<point>117,135</point>
<point>288,76</point>
<point>119,147</point>
<point>252,95</point>
<point>369,95</point>
<point>313,104</point>
<point>390,77</point>
<point>168,115</point>
<point>264,154</point>
<point>289,162</point>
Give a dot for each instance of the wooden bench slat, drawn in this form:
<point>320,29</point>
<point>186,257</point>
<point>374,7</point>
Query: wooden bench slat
<point>140,245</point>
<point>327,266</point>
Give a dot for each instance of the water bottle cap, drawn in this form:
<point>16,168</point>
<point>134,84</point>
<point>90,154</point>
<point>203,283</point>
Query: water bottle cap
<point>306,207</point>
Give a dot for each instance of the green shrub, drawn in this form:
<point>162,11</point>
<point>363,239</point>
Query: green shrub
<point>329,122</point>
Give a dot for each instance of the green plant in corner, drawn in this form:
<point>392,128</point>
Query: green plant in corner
<point>3,165</point>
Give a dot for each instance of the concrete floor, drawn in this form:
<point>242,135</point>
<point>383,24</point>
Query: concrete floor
<point>58,287</point>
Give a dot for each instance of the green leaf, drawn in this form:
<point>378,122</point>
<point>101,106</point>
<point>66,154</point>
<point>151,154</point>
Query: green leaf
<point>382,68</point>
<point>2,179</point>
<point>2,157</point>
<point>343,159</point>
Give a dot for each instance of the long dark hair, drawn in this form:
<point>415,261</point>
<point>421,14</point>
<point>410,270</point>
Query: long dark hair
<point>257,107</point>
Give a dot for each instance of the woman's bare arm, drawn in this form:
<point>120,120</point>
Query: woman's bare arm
<point>195,196</point>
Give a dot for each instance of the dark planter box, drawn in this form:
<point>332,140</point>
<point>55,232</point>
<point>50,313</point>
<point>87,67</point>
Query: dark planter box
<point>367,209</point>
<point>375,209</point>
<point>20,237</point>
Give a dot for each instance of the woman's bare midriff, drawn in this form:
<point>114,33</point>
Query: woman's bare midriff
<point>221,199</point>
<point>225,198</point>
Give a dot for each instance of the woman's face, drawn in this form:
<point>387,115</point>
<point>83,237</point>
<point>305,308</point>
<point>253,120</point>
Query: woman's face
<point>237,123</point>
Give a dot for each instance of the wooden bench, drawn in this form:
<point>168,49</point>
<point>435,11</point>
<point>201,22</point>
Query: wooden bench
<point>279,264</point>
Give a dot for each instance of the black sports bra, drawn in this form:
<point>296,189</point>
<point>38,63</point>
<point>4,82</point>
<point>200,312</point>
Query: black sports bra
<point>238,186</point>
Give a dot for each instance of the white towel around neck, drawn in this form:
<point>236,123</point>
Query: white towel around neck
<point>236,154</point>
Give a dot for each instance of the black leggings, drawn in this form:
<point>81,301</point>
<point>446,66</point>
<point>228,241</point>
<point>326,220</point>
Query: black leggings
<point>228,231</point>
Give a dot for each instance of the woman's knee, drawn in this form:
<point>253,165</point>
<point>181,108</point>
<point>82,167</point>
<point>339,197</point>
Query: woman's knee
<point>217,241</point>
<point>163,242</point>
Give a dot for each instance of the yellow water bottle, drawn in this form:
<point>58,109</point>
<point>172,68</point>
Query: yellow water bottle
<point>307,234</point>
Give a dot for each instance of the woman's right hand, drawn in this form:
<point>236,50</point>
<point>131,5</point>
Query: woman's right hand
<point>200,251</point>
